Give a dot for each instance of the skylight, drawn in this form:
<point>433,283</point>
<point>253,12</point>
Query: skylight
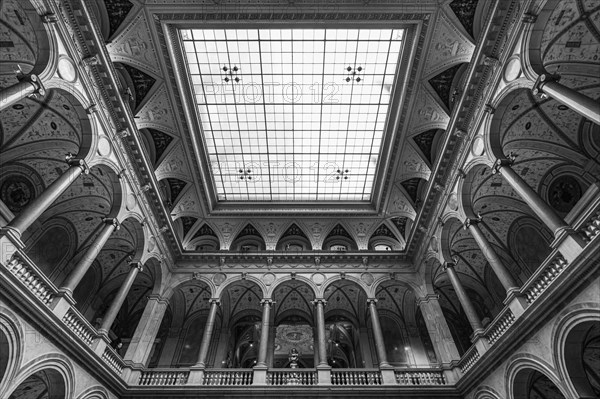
<point>292,114</point>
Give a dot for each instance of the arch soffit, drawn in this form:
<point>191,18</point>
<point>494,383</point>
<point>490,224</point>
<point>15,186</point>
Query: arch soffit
<point>53,361</point>
<point>523,361</point>
<point>230,281</point>
<point>177,280</point>
<point>564,323</point>
<point>284,279</point>
<point>13,330</point>
<point>366,290</point>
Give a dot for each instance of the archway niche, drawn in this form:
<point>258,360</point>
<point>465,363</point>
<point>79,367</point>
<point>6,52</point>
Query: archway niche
<point>582,358</point>
<point>349,342</point>
<point>239,338</point>
<point>294,324</point>
<point>531,384</point>
<point>43,384</point>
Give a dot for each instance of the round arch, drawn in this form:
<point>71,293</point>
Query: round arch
<point>58,369</point>
<point>11,348</point>
<point>520,368</point>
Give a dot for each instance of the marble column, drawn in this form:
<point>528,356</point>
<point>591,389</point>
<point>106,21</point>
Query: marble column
<point>42,202</point>
<point>140,348</point>
<point>208,331</point>
<point>264,333</point>
<point>464,300</point>
<point>28,85</point>
<point>321,340</point>
<point>377,333</point>
<point>116,304</point>
<point>567,240</point>
<point>547,86</point>
<point>110,225</point>
<point>503,274</point>
<point>437,327</point>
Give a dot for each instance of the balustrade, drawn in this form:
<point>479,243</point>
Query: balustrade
<point>591,228</point>
<point>410,377</point>
<point>469,359</point>
<point>554,265</point>
<point>80,326</point>
<point>355,377</point>
<point>164,377</point>
<point>292,377</point>
<point>111,358</point>
<point>228,377</point>
<point>34,280</point>
<point>499,325</point>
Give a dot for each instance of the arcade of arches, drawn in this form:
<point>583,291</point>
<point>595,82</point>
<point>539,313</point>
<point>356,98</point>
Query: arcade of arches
<point>448,249</point>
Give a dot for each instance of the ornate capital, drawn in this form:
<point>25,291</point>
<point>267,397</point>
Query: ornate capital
<point>90,60</point>
<point>49,18</point>
<point>448,265</point>
<point>71,160</point>
<point>35,81</point>
<point>319,300</point>
<point>123,133</point>
<point>137,265</point>
<point>112,221</point>
<point>538,86</point>
<point>529,18</point>
<point>500,163</point>
<point>471,221</point>
<point>372,301</point>
<point>216,301</point>
<point>266,302</point>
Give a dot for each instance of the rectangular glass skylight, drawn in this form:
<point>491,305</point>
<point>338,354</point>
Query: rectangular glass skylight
<point>292,114</point>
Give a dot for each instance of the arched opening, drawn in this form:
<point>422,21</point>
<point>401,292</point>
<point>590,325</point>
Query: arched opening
<point>293,239</point>
<point>383,239</point>
<point>339,240</point>
<point>241,327</point>
<point>582,358</point>
<point>6,354</point>
<point>294,324</point>
<point>248,240</point>
<point>531,384</point>
<point>43,384</point>
<point>349,341</point>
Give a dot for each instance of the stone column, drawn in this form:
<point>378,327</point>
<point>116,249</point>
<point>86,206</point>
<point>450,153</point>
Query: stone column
<point>437,327</point>
<point>42,202</point>
<point>321,340</point>
<point>571,243</point>
<point>28,85</point>
<point>547,86</point>
<point>143,339</point>
<point>506,279</point>
<point>208,331</point>
<point>116,304</point>
<point>110,225</point>
<point>464,300</point>
<point>264,333</point>
<point>377,334</point>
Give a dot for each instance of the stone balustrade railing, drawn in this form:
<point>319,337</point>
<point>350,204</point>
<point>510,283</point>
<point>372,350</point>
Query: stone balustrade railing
<point>544,276</point>
<point>80,326</point>
<point>420,377</point>
<point>590,229</point>
<point>292,377</point>
<point>111,358</point>
<point>228,377</point>
<point>468,359</point>
<point>355,377</point>
<point>164,377</point>
<point>499,325</point>
<point>32,278</point>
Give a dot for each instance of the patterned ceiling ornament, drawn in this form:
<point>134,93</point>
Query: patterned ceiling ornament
<point>448,47</point>
<point>268,279</point>
<point>219,278</point>
<point>367,278</point>
<point>318,278</point>
<point>428,113</point>
<point>157,113</point>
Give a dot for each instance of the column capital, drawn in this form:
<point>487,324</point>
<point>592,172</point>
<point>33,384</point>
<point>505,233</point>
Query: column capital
<point>316,301</point>
<point>472,221</point>
<point>216,301</point>
<point>71,160</point>
<point>372,301</point>
<point>448,265</point>
<point>541,81</point>
<point>158,298</point>
<point>35,81</point>
<point>267,301</point>
<point>503,162</point>
<point>112,221</point>
<point>427,298</point>
<point>137,265</point>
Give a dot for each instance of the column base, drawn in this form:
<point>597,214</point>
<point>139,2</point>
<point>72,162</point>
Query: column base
<point>10,242</point>
<point>259,375</point>
<point>196,375</point>
<point>63,301</point>
<point>388,375</point>
<point>323,374</point>
<point>569,243</point>
<point>516,302</point>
